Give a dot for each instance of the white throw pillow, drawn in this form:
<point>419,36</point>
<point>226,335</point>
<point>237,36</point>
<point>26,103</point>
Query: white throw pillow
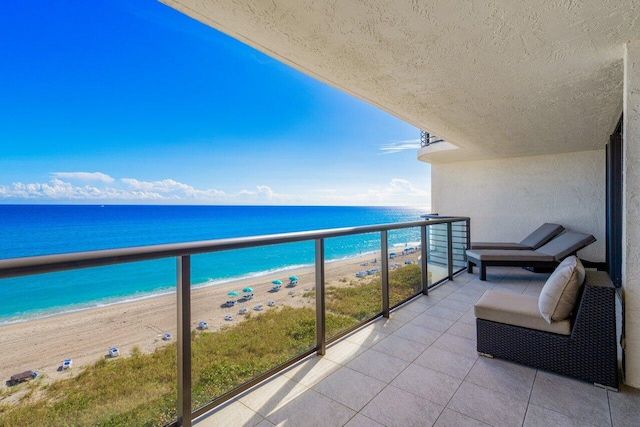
<point>559,294</point>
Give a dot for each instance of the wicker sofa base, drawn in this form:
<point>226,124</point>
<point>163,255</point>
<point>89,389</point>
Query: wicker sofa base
<point>589,353</point>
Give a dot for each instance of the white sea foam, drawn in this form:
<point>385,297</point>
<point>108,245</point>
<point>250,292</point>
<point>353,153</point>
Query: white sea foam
<point>57,311</point>
<point>142,296</point>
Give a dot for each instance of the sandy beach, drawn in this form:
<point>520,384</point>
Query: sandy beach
<point>86,336</point>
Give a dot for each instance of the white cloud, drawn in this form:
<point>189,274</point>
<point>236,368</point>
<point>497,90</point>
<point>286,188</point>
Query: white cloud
<point>265,191</point>
<point>397,146</point>
<point>83,176</point>
<point>403,186</point>
<point>397,192</point>
<point>173,188</point>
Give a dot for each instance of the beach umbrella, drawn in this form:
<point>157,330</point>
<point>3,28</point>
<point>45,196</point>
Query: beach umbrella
<point>293,277</point>
<point>277,282</point>
<point>233,294</point>
<point>247,289</point>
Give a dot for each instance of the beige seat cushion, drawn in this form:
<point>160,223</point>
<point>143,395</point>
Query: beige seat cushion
<point>560,292</point>
<point>517,310</point>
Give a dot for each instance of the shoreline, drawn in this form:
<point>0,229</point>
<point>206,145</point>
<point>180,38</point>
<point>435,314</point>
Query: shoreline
<point>86,335</point>
<point>108,302</point>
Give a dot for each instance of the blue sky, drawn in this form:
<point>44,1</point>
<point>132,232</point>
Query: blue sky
<point>112,101</point>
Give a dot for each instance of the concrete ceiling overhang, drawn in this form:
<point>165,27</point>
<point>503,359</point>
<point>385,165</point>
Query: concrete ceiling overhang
<point>494,78</point>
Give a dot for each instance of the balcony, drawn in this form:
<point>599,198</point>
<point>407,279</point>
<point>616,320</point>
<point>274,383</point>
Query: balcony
<point>407,358</point>
<point>420,367</point>
<point>210,364</point>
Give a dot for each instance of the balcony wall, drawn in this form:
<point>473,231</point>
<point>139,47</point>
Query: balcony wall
<point>508,198</point>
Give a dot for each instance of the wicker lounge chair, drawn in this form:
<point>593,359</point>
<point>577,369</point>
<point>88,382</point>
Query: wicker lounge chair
<point>547,256</point>
<point>533,241</point>
<point>584,346</point>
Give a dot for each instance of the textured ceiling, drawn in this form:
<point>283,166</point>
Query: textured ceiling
<point>495,78</point>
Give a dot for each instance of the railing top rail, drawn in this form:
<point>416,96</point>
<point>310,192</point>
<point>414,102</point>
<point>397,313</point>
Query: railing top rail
<point>14,267</point>
<point>433,216</point>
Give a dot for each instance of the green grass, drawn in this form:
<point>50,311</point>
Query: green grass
<point>140,390</point>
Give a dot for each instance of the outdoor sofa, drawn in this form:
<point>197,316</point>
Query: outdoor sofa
<point>582,345</point>
<point>547,256</point>
<point>533,241</point>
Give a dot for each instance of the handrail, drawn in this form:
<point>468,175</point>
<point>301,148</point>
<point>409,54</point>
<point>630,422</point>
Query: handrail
<point>14,267</point>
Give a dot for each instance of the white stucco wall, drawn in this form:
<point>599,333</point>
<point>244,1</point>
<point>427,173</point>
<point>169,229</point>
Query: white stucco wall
<point>631,211</point>
<point>506,199</point>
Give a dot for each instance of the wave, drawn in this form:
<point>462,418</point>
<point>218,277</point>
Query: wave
<point>57,311</point>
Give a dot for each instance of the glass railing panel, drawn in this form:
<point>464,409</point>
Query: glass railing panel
<point>437,259</point>
<point>459,235</point>
<point>252,310</point>
<point>95,339</point>
<point>404,271</point>
<point>352,281</point>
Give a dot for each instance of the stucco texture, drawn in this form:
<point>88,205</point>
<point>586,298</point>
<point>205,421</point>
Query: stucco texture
<point>631,212</point>
<point>506,199</point>
<point>497,79</point>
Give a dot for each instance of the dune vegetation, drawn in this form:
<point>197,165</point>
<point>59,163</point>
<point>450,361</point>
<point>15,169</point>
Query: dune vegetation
<point>140,389</point>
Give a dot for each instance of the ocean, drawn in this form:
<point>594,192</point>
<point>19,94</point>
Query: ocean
<point>30,230</point>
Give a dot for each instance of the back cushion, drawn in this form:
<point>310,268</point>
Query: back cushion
<point>559,294</point>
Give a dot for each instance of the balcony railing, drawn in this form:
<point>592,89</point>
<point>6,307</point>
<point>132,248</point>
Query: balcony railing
<point>426,139</point>
<point>442,244</point>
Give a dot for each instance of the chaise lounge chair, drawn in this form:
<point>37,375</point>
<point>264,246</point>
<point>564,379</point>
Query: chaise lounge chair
<point>547,256</point>
<point>533,241</point>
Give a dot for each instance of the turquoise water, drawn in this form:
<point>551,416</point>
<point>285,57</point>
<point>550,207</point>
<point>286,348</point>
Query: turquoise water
<point>29,230</point>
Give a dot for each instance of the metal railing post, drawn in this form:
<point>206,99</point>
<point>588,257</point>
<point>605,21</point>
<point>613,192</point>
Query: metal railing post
<point>450,250</point>
<point>321,333</point>
<point>424,276</point>
<point>384,258</point>
<point>184,340</point>
<point>468,222</point>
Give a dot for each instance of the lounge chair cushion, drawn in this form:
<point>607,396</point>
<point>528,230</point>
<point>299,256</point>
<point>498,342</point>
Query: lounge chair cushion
<point>542,235</point>
<point>566,244</point>
<point>518,310</point>
<point>508,255</point>
<point>560,292</point>
<point>499,245</point>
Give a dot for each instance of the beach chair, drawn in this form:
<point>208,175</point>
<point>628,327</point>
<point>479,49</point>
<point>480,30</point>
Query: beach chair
<point>547,256</point>
<point>533,241</point>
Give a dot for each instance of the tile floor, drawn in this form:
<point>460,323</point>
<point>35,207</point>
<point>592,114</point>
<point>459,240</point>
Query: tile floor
<point>420,368</point>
